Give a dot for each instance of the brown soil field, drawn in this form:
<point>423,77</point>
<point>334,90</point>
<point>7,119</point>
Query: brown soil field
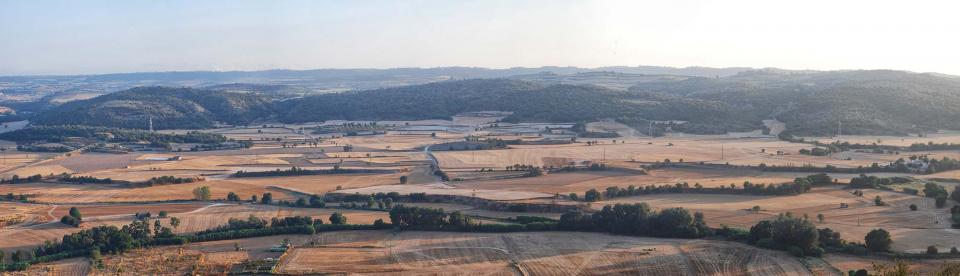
<point>742,151</point>
<point>911,231</point>
<point>547,253</point>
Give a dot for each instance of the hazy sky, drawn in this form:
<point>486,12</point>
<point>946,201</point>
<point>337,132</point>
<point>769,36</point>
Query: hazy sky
<point>82,37</point>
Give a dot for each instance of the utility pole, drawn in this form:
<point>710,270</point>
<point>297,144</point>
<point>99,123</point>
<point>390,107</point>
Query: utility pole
<point>839,128</point>
<point>650,129</point>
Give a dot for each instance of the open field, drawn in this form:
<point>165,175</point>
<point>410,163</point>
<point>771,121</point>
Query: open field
<point>911,231</point>
<point>951,137</point>
<point>12,214</point>
<point>127,209</point>
<point>581,181</point>
<point>397,141</point>
<point>844,263</point>
<point>441,189</point>
<point>709,149</point>
<point>548,253</point>
<point>281,187</point>
<point>192,219</point>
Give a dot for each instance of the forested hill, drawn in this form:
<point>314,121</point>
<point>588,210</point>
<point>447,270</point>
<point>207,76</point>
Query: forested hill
<point>866,102</point>
<point>888,102</point>
<point>169,107</point>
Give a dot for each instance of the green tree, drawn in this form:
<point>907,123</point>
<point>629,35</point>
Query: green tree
<point>163,214</point>
<point>820,218</point>
<point>878,240</point>
<point>267,198</point>
<point>941,200</point>
<point>338,218</point>
<point>932,250</point>
<point>403,179</point>
<point>592,195</point>
<point>75,213</point>
<point>201,193</point>
<point>175,222</point>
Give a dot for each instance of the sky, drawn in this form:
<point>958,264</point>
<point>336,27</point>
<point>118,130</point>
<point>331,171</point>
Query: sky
<point>92,37</point>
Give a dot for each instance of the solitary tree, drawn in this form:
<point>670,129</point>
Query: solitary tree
<point>267,198</point>
<point>820,218</point>
<point>403,179</point>
<point>878,240</point>
<point>201,193</point>
<point>175,222</point>
<point>932,250</point>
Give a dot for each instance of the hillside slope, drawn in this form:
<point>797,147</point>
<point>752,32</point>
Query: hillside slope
<point>810,103</point>
<point>169,108</point>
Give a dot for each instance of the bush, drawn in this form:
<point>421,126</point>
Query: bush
<point>913,207</point>
<point>795,251</point>
<point>766,243</point>
<point>68,220</point>
<point>338,218</point>
<point>941,201</point>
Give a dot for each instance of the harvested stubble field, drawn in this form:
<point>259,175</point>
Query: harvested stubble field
<point>902,141</point>
<point>95,210</point>
<point>192,220</point>
<point>709,149</point>
<point>846,263</point>
<point>397,141</point>
<point>16,214</point>
<point>546,253</point>
<point>911,231</point>
<point>442,189</point>
<point>581,181</point>
<point>280,187</point>
<point>68,267</point>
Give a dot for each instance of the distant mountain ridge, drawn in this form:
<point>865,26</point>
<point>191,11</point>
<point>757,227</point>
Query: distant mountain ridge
<point>810,103</point>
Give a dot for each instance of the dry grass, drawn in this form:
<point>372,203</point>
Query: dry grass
<point>709,149</point>
<point>244,187</point>
<point>192,220</point>
<point>549,253</point>
<point>846,263</point>
<point>903,141</point>
<point>911,230</point>
<point>440,189</point>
